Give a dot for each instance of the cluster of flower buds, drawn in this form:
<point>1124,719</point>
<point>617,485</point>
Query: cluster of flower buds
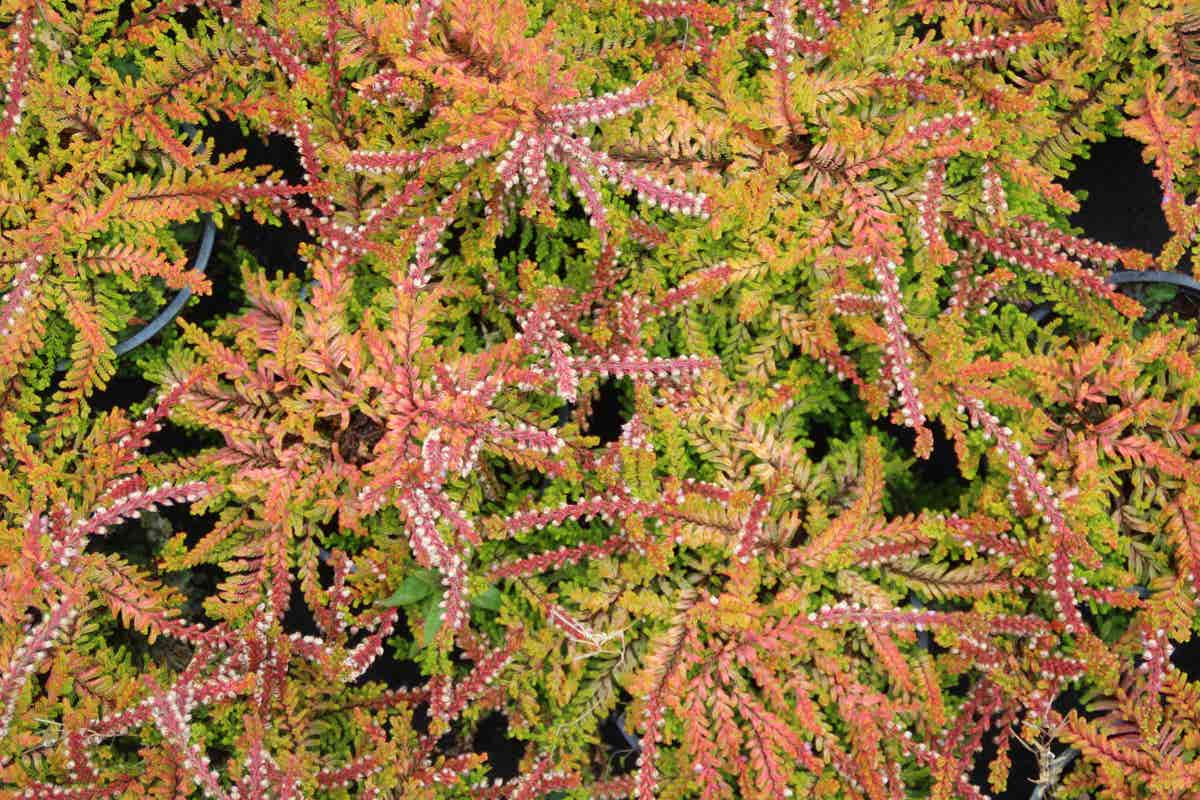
<point>781,34</point>
<point>711,491</point>
<point>396,204</point>
<point>929,212</point>
<point>1156,655</point>
<point>27,278</point>
<point>904,738</point>
<point>270,190</point>
<point>539,781</point>
<point>816,11</point>
<point>782,399</point>
<point>980,654</point>
<point>18,72</point>
<point>423,512</point>
<point>541,333</point>
<point>586,189</point>
<point>601,109</point>
<point>526,437</point>
<point>1020,464</point>
<point>840,366</point>
<point>1057,668</point>
<point>646,234</point>
<point>276,49</point>
<point>310,647</point>
<point>423,12</point>
<point>432,551</point>
<point>876,553</point>
<point>1033,481</point>
<point>152,417</point>
<point>80,766</point>
<point>379,162</point>
<point>301,134</point>
<point>913,81</point>
<point>979,48</point>
<point>26,656</point>
<point>172,716</point>
<point>617,504</point>
<point>525,160</point>
<point>852,303</point>
<point>682,367</point>
<point>131,505</point>
<point>650,191</point>
<point>897,359</point>
<point>985,290</point>
<point>448,771</point>
<point>261,777</point>
<point>385,85</point>
<point>748,536</point>
<point>559,557</point>
<point>805,45</point>
<point>1015,247</point>
<point>437,455</point>
<point>222,684</point>
<point>448,700</point>
<point>635,435</point>
<point>36,790</point>
<point>692,285</point>
<point>619,787</point>
<point>995,201</point>
<point>653,721</point>
<point>429,236</point>
<point>994,542</point>
<point>364,654</point>
<point>851,613</point>
<point>931,758</point>
<point>930,130</point>
<point>445,508</point>
<point>1076,246</point>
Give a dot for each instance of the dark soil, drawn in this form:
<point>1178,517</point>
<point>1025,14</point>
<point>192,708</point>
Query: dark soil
<point>1123,197</point>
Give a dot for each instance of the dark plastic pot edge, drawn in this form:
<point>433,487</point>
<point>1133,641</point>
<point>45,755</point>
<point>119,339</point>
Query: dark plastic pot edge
<point>199,264</point>
<point>164,317</point>
<point>1126,276</point>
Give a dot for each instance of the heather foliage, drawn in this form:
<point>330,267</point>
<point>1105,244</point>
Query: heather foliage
<point>790,246</point>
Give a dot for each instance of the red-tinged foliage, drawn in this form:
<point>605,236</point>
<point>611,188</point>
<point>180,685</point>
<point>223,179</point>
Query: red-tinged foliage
<point>18,70</point>
<point>1140,742</point>
<point>573,404</point>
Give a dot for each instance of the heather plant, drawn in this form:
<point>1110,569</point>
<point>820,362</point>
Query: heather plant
<point>98,172</point>
<point>943,211</point>
<point>796,241</point>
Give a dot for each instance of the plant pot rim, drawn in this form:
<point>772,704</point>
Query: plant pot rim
<point>172,309</point>
<point>1127,276</point>
<point>199,264</point>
